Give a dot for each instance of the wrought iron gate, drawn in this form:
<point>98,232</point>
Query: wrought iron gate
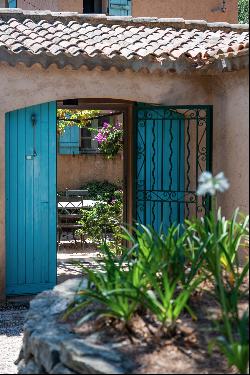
<point>173,147</point>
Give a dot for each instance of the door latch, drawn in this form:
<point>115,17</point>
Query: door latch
<point>33,120</point>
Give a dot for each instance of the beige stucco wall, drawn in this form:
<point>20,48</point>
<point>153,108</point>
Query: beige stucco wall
<point>56,5</point>
<point>228,93</point>
<point>187,9</point>
<point>75,171</point>
<point>209,10</point>
<point>53,5</point>
<point>231,137</point>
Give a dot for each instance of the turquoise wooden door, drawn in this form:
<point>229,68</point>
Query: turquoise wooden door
<point>120,7</point>
<point>31,199</point>
<point>160,167</point>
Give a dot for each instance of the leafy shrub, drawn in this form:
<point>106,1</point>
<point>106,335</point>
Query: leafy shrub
<point>243,11</point>
<point>101,190</point>
<point>103,221</point>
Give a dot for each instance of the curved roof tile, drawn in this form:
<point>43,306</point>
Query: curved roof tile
<point>122,42</point>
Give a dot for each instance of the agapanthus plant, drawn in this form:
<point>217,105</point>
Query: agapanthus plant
<point>110,139</point>
<point>223,240</point>
<point>210,185</point>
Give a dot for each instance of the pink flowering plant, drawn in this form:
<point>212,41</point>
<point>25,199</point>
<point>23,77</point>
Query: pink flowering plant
<point>110,139</point>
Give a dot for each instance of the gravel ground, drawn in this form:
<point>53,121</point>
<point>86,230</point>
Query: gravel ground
<point>12,315</point>
<point>11,323</point>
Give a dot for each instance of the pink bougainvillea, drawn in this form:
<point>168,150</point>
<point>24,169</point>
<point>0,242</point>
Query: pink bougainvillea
<point>110,138</point>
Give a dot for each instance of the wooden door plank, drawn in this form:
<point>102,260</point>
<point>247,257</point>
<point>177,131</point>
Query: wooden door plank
<point>31,199</point>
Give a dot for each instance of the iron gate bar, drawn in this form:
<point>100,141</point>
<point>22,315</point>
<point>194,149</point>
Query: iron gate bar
<point>169,131</point>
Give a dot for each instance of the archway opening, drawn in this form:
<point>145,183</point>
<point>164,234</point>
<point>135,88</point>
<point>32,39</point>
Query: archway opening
<point>91,181</point>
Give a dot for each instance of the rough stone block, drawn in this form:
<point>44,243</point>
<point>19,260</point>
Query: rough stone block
<point>29,368</point>
<point>86,358</point>
<point>61,369</point>
<point>49,347</point>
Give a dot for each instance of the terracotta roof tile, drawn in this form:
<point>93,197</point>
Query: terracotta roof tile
<point>122,42</point>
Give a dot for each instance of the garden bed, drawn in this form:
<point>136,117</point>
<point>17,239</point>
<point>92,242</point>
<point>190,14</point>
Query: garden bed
<point>55,347</point>
<point>174,302</point>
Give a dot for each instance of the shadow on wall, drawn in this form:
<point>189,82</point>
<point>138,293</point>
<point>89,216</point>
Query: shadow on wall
<point>75,171</point>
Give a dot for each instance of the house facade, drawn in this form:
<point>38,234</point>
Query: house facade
<point>183,86</point>
<point>209,10</point>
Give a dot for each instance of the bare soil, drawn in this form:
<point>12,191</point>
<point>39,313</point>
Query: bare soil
<point>149,351</point>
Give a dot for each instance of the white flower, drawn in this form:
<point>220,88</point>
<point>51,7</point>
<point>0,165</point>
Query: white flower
<point>209,184</point>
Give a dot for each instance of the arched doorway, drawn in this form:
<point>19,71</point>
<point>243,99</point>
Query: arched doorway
<point>165,150</point>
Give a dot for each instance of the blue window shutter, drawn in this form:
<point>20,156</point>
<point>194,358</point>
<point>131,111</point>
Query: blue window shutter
<point>120,7</point>
<point>12,3</point>
<point>75,139</point>
<point>69,141</point>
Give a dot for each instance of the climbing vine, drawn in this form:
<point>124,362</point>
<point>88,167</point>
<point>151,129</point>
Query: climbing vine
<point>67,117</point>
<point>243,11</point>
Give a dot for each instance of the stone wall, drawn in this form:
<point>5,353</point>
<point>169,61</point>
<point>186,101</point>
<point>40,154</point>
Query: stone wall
<point>49,347</point>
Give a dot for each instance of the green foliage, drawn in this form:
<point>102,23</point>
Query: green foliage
<point>72,117</point>
<point>152,274</point>
<point>243,11</point>
<point>157,274</point>
<point>116,289</point>
<point>155,250</point>
<point>165,299</point>
<point>101,190</point>
<point>224,239</point>
<point>170,278</point>
<point>235,347</point>
<point>102,222</point>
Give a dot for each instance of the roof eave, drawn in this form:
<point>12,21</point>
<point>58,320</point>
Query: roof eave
<point>181,66</point>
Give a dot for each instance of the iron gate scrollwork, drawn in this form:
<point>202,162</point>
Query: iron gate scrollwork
<point>173,147</point>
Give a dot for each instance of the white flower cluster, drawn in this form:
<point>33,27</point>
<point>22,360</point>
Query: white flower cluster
<point>210,185</point>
